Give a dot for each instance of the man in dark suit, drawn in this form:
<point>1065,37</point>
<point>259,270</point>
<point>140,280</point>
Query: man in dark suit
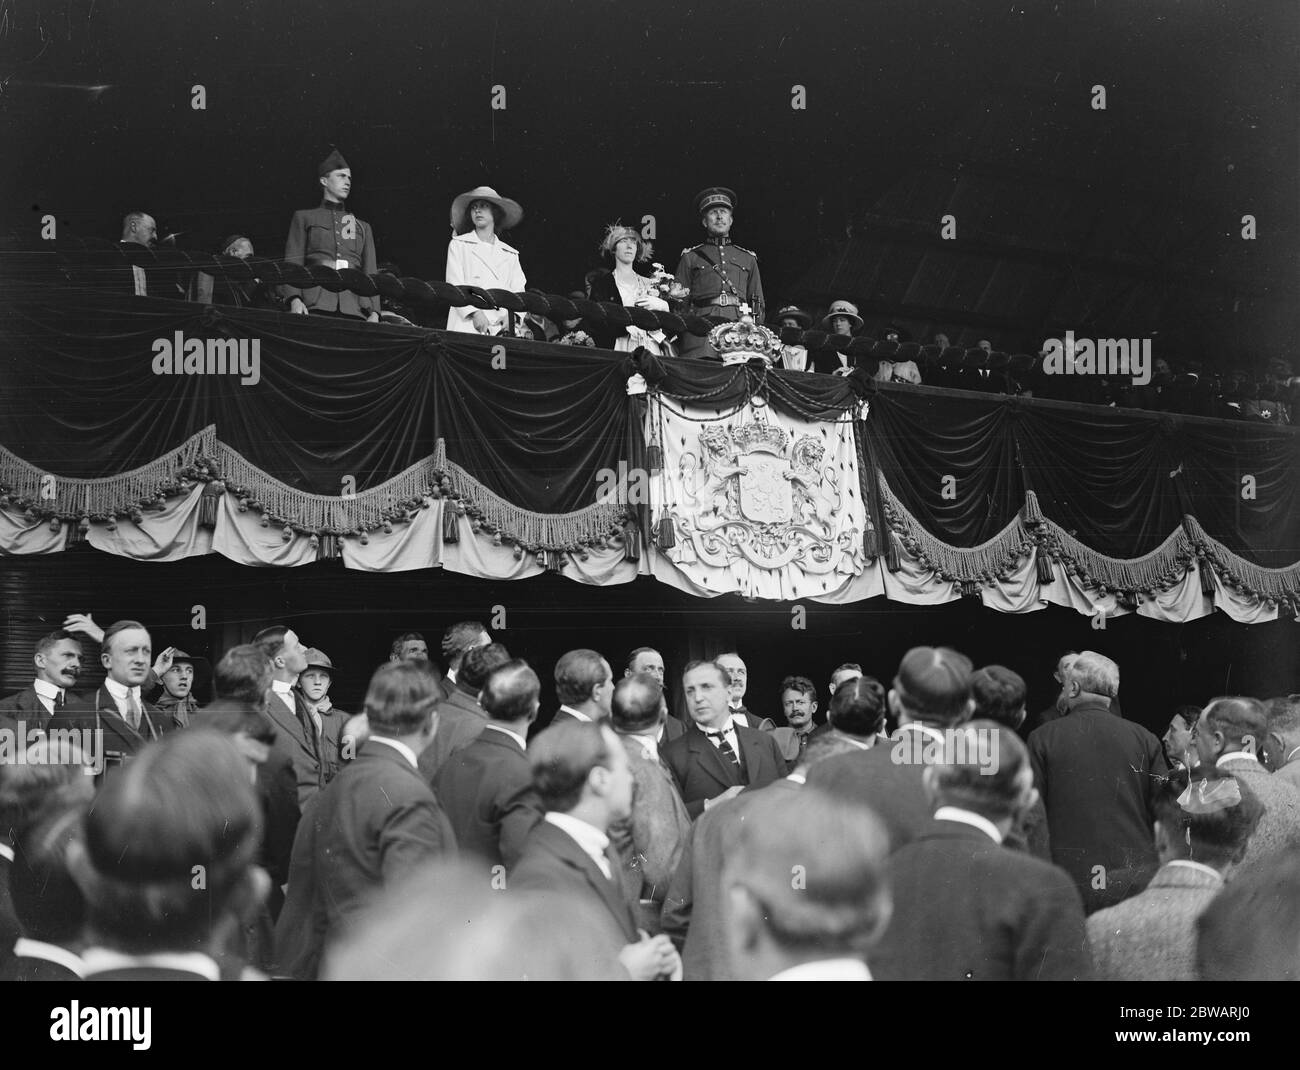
<point>717,757</point>
<point>58,664</point>
<point>737,685</point>
<point>117,708</point>
<point>1203,824</point>
<point>965,906</point>
<point>806,888</point>
<point>1251,929</point>
<point>186,810</point>
<point>930,696</point>
<point>582,777</point>
<point>457,641</point>
<point>46,900</point>
<point>242,678</point>
<point>462,718</point>
<point>1098,774</point>
<point>649,842</point>
<point>373,825</point>
<point>693,908</point>
<point>857,713</point>
<point>486,787</point>
<point>311,740</point>
<point>648,660</point>
<point>584,684</point>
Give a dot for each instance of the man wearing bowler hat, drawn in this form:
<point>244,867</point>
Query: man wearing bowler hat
<point>721,276</point>
<point>332,236</point>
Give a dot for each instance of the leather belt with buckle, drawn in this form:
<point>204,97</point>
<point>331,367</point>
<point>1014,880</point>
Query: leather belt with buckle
<point>720,300</point>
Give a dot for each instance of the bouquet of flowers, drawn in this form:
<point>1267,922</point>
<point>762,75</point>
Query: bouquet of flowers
<point>666,286</point>
<point>577,338</point>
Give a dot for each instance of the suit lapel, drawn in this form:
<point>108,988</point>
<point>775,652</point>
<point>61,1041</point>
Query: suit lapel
<point>750,752</point>
<point>106,708</point>
<point>712,761</point>
<point>610,891</point>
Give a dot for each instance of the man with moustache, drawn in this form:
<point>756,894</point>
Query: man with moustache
<point>720,274</point>
<point>331,236</point>
<point>117,708</point>
<point>717,757</point>
<point>58,664</point>
<point>799,703</point>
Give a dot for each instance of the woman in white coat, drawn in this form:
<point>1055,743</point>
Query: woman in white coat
<point>477,257</point>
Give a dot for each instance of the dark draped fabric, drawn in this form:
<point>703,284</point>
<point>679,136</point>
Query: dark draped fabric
<point>537,423</point>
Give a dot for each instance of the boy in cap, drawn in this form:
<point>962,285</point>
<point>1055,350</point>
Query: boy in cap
<point>332,236</point>
<point>721,275</point>
<point>314,684</point>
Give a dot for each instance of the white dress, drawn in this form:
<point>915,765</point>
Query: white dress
<point>655,342</point>
<point>491,265</point>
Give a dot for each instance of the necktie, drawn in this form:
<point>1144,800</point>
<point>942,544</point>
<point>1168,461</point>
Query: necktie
<point>719,740</point>
<point>133,710</point>
<point>60,700</point>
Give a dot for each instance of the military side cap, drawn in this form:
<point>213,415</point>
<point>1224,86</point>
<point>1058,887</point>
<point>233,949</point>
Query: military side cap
<point>333,162</point>
<point>714,197</point>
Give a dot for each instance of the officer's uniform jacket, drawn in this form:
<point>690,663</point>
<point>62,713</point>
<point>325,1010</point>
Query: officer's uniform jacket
<point>720,276</point>
<point>490,265</point>
<point>333,236</point>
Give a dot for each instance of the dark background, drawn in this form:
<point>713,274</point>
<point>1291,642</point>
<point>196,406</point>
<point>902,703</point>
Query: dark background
<point>1119,223</point>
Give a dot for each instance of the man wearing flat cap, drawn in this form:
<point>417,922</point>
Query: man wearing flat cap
<point>721,276</point>
<point>314,686</point>
<point>332,236</point>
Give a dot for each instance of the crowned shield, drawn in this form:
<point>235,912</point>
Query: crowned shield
<point>765,496</point>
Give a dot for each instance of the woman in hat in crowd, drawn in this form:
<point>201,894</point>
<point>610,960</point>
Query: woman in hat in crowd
<point>842,319</point>
<point>627,286</point>
<point>476,256</point>
<point>794,358</point>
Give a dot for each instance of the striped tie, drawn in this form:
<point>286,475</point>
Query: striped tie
<point>133,710</point>
<point>720,741</point>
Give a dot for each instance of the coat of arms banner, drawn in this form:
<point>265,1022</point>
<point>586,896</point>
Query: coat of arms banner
<point>757,501</point>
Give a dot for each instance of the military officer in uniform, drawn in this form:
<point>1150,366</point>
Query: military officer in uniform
<point>333,236</point>
<point>721,276</point>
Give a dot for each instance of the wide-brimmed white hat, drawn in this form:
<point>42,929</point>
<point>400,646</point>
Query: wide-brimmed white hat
<point>460,208</point>
<point>848,310</point>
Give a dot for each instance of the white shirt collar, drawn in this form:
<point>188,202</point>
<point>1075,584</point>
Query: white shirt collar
<point>649,744</point>
<point>6,852</point>
<point>798,778</point>
<point>101,960</point>
<point>451,675</point>
<point>61,956</point>
<point>283,688</point>
<point>1236,756</point>
<point>967,817</point>
<point>523,743</point>
<point>1201,866</point>
<point>46,689</point>
<point>400,747</point>
<point>120,691</point>
<point>592,841</point>
<point>1291,754</point>
<point>576,713</point>
<point>826,970</point>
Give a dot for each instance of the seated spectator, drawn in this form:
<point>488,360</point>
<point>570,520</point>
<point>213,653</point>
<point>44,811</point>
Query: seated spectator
<point>186,802</point>
<point>1202,827</point>
<point>842,320</point>
<point>573,331</point>
<point>965,906</point>
<point>1251,930</point>
<point>230,289</point>
<point>626,286</point>
<point>46,901</point>
<point>820,928</point>
<point>792,317</point>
